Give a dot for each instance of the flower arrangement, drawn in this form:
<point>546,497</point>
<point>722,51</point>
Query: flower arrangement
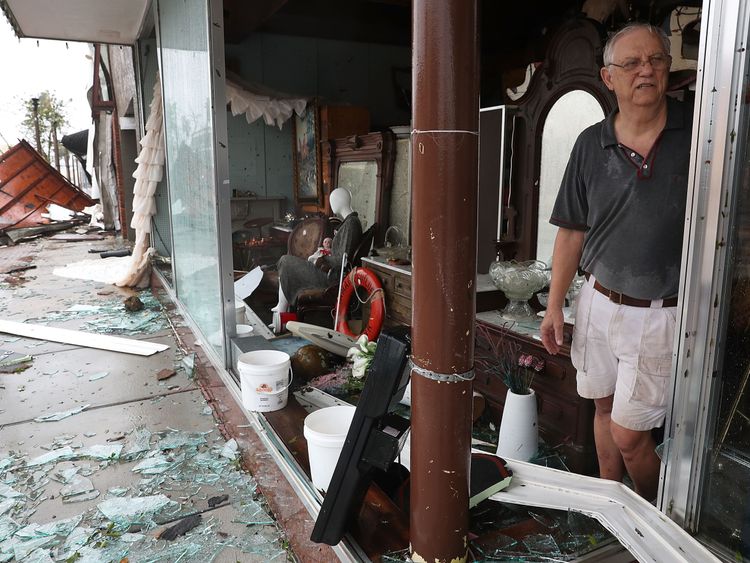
<point>503,357</point>
<point>519,380</point>
<point>359,358</point>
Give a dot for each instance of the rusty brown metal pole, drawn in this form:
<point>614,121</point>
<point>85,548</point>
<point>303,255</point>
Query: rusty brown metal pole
<point>444,191</point>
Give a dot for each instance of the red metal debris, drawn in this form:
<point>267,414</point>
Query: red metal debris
<point>28,184</point>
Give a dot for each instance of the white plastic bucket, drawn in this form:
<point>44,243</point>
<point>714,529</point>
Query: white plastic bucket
<point>265,377</point>
<point>325,432</point>
<point>244,330</point>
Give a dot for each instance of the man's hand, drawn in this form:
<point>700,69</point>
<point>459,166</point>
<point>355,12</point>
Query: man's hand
<point>552,329</point>
<point>566,256</point>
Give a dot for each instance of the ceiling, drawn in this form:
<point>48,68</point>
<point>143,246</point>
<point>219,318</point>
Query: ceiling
<point>92,21</point>
<point>503,25</point>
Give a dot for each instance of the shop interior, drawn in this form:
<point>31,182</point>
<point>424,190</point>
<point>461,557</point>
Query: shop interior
<point>349,62</point>
<point>348,65</point>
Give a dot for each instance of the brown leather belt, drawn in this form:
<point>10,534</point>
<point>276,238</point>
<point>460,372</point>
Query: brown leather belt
<point>622,299</point>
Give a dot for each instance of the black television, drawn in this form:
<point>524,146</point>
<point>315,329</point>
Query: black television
<point>375,436</point>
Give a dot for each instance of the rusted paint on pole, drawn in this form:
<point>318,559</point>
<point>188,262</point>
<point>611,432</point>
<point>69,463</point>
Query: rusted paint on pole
<point>444,187</point>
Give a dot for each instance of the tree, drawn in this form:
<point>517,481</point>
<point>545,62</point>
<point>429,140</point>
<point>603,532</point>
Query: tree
<point>52,117</point>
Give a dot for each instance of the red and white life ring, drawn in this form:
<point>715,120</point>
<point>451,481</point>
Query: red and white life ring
<point>362,277</point>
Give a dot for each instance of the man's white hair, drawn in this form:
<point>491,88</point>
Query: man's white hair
<point>631,27</point>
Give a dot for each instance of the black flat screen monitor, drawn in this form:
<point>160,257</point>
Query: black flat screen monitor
<point>375,436</point>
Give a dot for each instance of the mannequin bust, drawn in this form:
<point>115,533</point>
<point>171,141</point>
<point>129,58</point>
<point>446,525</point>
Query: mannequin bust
<point>341,202</point>
<point>297,274</point>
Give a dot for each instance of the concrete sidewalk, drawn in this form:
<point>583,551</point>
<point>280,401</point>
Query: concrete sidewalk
<point>140,456</point>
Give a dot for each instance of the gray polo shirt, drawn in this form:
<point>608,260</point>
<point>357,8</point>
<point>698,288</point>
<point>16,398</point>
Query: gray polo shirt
<point>631,207</point>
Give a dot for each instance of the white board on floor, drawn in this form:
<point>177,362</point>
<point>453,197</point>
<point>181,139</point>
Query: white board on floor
<point>85,339</point>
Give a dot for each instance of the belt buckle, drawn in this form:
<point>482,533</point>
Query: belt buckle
<point>615,297</point>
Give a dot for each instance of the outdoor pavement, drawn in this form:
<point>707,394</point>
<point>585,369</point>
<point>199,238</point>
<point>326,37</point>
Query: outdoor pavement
<point>132,455</point>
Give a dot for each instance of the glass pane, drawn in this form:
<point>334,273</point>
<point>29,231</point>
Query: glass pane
<point>725,506</point>
<point>570,115</point>
<point>361,179</point>
<point>186,68</point>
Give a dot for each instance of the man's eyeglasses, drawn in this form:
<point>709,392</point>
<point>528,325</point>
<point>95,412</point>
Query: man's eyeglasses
<point>657,62</point>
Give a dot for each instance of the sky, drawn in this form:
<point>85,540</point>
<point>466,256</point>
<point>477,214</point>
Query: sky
<point>29,67</point>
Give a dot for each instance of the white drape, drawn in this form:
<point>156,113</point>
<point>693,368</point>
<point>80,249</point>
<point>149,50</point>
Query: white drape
<point>148,174</point>
<point>275,109</point>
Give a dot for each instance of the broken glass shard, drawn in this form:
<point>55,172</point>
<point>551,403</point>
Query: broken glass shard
<point>76,540</point>
<point>7,505</point>
<point>101,451</point>
<point>153,465</point>
<point>54,528</point>
<point>542,544</point>
<point>64,475</point>
<point>7,527</point>
<point>39,556</point>
<point>117,491</point>
<point>133,510</point>
<point>78,490</point>
<point>230,449</point>
<point>65,453</point>
<point>98,375</point>
<point>188,362</point>
<point>7,492</point>
<point>22,549</point>
<point>137,442</point>
<point>180,439</point>
<point>54,417</point>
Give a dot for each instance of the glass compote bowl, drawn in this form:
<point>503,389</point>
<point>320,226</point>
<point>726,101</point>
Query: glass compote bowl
<point>519,281</point>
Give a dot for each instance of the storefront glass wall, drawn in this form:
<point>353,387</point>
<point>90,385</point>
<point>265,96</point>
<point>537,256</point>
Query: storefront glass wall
<point>725,507</point>
<point>189,136</point>
<point>707,457</point>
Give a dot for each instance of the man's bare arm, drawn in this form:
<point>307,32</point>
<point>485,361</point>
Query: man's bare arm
<point>565,259</point>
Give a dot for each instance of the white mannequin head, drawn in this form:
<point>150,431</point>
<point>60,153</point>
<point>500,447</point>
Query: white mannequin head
<point>341,202</point>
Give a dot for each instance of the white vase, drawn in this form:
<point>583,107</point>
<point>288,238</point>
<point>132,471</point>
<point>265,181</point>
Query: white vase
<point>519,433</point>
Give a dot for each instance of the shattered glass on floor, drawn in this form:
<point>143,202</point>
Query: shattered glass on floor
<point>191,503</point>
<point>111,316</point>
<point>520,534</point>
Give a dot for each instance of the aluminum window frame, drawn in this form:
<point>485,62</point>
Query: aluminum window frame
<point>690,424</point>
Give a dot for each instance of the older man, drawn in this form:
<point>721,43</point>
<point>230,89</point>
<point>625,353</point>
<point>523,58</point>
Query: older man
<point>620,213</point>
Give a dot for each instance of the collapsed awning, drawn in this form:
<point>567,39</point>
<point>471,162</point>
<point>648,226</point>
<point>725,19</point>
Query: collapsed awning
<point>28,184</point>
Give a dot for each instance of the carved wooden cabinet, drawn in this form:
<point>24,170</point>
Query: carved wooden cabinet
<point>396,281</point>
<point>565,419</point>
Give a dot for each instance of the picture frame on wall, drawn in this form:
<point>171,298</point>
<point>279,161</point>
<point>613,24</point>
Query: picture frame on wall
<point>306,151</point>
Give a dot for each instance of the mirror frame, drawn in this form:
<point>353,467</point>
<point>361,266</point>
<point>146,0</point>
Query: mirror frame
<point>380,147</point>
<point>573,61</point>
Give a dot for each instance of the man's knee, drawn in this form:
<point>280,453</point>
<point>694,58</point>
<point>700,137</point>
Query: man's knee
<point>629,441</point>
<point>604,405</point>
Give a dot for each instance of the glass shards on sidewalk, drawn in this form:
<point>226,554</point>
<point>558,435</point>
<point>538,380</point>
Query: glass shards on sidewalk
<point>188,484</point>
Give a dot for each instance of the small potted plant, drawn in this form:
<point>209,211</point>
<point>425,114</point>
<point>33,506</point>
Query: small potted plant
<point>518,437</point>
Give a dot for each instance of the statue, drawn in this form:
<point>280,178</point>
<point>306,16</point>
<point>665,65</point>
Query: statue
<point>297,274</point>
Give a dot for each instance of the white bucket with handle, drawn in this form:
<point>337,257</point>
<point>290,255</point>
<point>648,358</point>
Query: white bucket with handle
<point>325,431</point>
<point>265,377</point>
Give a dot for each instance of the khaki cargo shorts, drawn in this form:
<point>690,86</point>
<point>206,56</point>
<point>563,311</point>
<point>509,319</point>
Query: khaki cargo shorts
<point>626,352</point>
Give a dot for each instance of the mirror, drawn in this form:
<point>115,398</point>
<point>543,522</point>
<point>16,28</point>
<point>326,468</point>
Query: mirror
<point>364,165</point>
<point>360,178</point>
<point>564,96</point>
<point>572,113</point>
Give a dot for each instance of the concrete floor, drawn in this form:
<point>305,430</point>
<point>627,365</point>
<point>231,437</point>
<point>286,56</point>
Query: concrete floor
<point>129,397</point>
